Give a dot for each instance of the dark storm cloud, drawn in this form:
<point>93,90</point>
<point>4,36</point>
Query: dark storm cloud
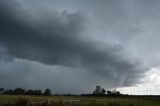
<point>54,38</point>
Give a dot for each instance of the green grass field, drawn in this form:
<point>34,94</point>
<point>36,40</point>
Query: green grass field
<point>10,100</point>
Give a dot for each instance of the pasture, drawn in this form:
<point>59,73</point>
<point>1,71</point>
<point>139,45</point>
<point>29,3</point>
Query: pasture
<point>21,100</point>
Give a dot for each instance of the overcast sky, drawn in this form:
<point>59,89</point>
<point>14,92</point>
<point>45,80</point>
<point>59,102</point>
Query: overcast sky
<point>70,46</point>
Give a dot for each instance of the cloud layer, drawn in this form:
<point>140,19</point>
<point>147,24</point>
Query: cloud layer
<point>56,38</point>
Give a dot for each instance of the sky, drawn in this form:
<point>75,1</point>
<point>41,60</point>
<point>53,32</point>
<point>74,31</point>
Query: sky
<point>70,46</point>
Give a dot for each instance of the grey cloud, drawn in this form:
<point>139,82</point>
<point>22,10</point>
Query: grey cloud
<point>60,79</point>
<point>54,38</point>
<point>131,23</point>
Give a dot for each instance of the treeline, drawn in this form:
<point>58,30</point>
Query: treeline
<point>106,94</point>
<point>102,92</point>
<point>98,92</point>
<point>147,97</point>
<point>21,91</point>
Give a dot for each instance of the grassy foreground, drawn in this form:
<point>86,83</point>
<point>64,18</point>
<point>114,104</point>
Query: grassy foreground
<point>12,100</point>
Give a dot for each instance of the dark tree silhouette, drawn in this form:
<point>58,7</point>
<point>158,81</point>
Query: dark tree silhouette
<point>37,92</point>
<point>109,92</point>
<point>29,92</point>
<point>113,93</point>
<point>99,91</point>
<point>9,91</point>
<point>2,90</point>
<point>47,92</point>
<point>103,91</point>
<point>19,91</point>
<point>34,92</point>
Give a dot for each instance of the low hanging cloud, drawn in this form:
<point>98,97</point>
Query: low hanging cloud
<point>54,38</point>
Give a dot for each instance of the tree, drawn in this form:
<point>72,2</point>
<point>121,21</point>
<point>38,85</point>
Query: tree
<point>109,93</point>
<point>10,91</point>
<point>113,93</point>
<point>103,91</point>
<point>47,92</point>
<point>118,93</point>
<point>37,92</point>
<point>99,91</point>
<point>29,92</point>
<point>34,92</point>
<point>19,91</point>
<point>2,90</point>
